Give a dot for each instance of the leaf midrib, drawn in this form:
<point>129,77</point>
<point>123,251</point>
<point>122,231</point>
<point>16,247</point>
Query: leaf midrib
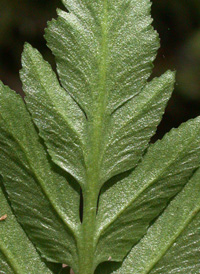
<point>9,260</point>
<point>99,115</point>
<point>96,124</point>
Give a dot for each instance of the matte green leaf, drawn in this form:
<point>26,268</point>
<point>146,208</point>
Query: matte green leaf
<point>104,51</point>
<point>46,204</point>
<point>132,126</point>
<point>88,77</point>
<point>96,123</point>
<point>108,80</point>
<point>17,253</point>
<point>127,208</point>
<point>104,59</point>
<point>137,119</point>
<point>5,267</point>
<point>172,244</point>
<point>59,119</point>
<point>183,255</point>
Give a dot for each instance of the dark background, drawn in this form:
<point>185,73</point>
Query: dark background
<point>177,22</point>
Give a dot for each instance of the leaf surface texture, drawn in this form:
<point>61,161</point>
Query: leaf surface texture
<point>14,243</point>
<point>36,188</point>
<point>128,207</point>
<point>83,179</point>
<point>171,245</point>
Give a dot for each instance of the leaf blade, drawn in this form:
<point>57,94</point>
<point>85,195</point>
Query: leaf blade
<point>36,188</point>
<point>60,121</point>
<point>132,126</point>
<point>163,172</point>
<point>180,215</point>
<point>113,73</point>
<point>101,30</point>
<point>11,248</point>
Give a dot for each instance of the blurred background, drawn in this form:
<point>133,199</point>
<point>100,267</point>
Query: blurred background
<point>177,22</point>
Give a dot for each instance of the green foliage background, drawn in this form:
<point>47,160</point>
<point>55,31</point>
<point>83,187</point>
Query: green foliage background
<point>178,24</point>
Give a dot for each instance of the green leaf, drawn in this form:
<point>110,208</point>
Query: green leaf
<point>60,120</point>
<point>132,126</point>
<point>17,253</point>
<point>127,208</point>
<point>104,60</point>
<point>96,122</point>
<point>172,244</point>
<point>36,187</point>
<point>5,268</point>
<point>137,118</point>
<point>53,114</point>
<point>104,51</point>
